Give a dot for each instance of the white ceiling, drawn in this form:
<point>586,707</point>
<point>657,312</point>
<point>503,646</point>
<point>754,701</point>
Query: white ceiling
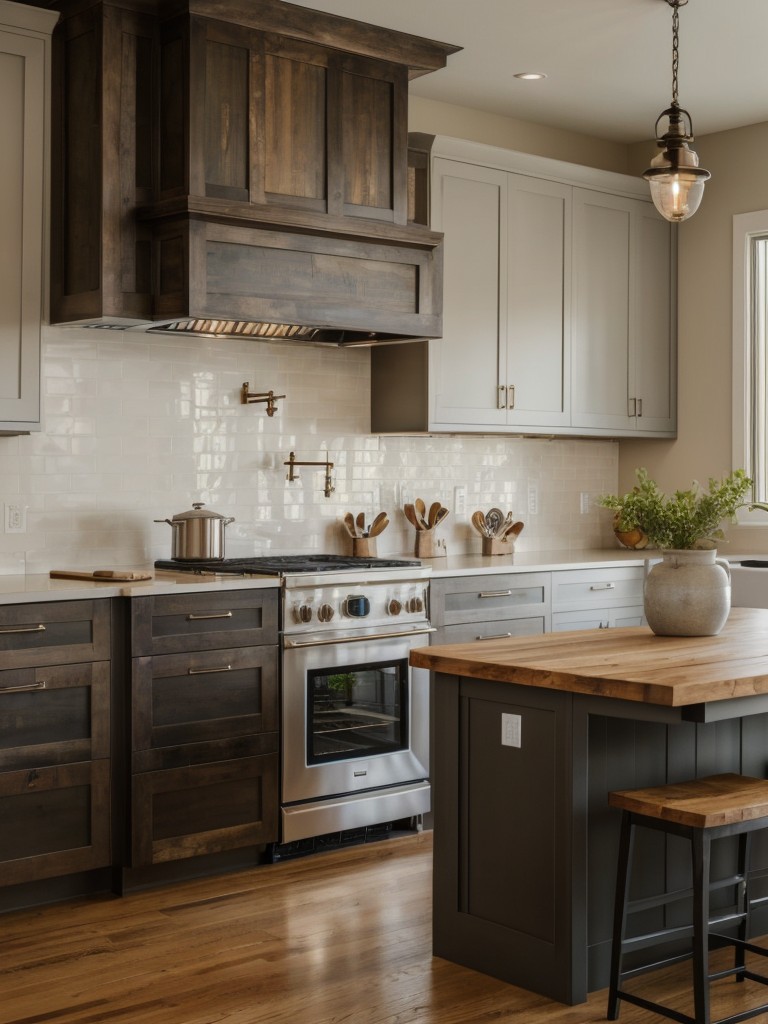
<point>608,61</point>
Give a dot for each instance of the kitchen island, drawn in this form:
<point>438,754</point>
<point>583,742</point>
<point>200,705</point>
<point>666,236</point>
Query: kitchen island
<point>531,734</point>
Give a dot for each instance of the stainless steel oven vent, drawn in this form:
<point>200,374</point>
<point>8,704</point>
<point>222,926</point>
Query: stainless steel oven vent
<point>239,328</point>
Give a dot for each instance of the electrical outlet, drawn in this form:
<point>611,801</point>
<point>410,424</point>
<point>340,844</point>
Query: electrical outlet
<point>15,519</point>
<point>584,503</point>
<point>533,499</point>
<point>511,730</point>
<point>460,500</point>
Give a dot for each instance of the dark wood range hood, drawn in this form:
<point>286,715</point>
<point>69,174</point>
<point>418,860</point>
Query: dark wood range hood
<point>238,167</point>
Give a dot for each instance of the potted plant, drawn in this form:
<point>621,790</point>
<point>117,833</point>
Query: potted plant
<point>688,592</point>
<point>682,521</point>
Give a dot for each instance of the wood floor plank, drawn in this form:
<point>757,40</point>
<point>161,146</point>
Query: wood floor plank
<point>338,938</point>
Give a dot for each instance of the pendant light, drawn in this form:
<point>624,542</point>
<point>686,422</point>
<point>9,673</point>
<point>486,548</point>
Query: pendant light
<point>676,180</point>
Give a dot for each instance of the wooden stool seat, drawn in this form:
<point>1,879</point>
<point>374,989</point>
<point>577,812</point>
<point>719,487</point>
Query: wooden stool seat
<point>701,811</point>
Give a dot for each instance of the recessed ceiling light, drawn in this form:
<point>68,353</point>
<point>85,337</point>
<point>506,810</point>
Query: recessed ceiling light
<point>530,76</point>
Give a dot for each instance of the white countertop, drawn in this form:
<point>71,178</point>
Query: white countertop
<point>40,587</point>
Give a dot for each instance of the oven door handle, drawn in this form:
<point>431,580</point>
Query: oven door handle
<point>293,644</point>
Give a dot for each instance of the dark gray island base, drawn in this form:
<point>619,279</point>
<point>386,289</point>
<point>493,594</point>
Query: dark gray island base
<point>525,845</point>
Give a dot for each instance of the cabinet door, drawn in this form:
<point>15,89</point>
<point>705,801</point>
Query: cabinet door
<point>623,379</point>
<point>469,204</point>
<point>22,162</point>
<point>535,363</point>
<point>601,239</point>
<point>653,322</point>
<point>204,808</point>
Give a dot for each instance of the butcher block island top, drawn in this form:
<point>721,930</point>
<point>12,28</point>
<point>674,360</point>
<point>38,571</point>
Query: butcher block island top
<point>630,664</point>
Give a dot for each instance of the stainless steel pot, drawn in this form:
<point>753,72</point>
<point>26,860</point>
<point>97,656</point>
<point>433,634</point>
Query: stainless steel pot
<point>197,534</point>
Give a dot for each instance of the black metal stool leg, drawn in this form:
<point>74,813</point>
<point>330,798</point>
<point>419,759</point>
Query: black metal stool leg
<point>700,848</point>
<point>745,842</point>
<point>623,871</point>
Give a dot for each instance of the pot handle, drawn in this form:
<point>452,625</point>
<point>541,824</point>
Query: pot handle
<point>726,565</point>
<point>227,521</point>
<point>169,521</point>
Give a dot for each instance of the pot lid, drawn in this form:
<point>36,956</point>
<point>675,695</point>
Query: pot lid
<point>197,511</point>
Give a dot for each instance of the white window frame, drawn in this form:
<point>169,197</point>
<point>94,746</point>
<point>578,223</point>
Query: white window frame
<point>746,227</point>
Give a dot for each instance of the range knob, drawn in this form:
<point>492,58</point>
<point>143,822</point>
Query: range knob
<point>325,613</point>
<point>305,613</point>
<point>416,604</point>
<point>395,606</point>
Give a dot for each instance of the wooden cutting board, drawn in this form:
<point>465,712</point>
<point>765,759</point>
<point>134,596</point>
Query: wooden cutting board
<point>101,575</point>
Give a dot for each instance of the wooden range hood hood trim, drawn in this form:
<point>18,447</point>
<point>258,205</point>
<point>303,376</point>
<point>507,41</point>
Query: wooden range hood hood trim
<point>261,187</point>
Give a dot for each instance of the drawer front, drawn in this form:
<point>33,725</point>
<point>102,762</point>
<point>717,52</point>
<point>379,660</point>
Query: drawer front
<point>202,809</point>
<point>54,633</point>
<point>469,631</point>
<point>203,695</point>
<point>173,624</point>
<point>488,598</point>
<point>598,618</point>
<point>597,588</point>
<point>55,821</point>
<point>54,715</point>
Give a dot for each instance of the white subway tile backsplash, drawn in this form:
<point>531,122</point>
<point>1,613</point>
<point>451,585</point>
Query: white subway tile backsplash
<point>139,427</point>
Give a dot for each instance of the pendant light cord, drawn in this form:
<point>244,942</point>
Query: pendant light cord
<point>675,48</point>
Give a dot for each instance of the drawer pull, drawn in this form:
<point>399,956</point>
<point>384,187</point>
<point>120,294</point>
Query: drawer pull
<point>210,615</point>
<point>495,593</point>
<point>23,629</point>
<point>41,685</point>
<point>603,586</point>
<point>206,671</point>
<point>494,636</point>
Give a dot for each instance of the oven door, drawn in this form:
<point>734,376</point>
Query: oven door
<point>355,715</point>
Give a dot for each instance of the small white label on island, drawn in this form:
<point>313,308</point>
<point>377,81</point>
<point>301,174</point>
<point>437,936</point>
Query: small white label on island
<point>511,728</point>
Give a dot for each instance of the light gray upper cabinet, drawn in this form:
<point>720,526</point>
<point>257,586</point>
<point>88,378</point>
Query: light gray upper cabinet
<point>558,311</point>
<point>24,80</point>
<point>623,325</point>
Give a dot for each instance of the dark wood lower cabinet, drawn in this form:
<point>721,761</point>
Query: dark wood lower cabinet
<point>203,808</point>
<point>203,725</point>
<point>56,821</point>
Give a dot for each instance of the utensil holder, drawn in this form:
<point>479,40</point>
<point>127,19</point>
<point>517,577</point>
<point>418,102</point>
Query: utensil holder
<point>364,547</point>
<point>427,546</point>
<point>494,546</point>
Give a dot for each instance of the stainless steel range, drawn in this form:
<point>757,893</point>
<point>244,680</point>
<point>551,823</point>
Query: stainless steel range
<point>355,715</point>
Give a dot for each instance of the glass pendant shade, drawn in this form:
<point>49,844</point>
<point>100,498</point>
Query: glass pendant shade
<point>675,178</point>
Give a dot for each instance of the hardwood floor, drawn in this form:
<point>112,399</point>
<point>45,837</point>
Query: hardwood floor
<point>338,938</point>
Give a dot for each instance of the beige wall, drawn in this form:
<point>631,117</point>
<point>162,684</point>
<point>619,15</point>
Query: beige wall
<point>478,126</point>
<point>738,160</point>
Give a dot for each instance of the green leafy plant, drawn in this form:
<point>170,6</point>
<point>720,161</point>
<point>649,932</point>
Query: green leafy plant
<point>685,519</point>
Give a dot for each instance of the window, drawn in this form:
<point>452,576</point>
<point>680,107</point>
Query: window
<point>750,353</point>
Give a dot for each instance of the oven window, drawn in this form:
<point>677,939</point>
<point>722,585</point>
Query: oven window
<point>357,711</point>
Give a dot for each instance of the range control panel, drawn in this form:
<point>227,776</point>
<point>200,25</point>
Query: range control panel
<point>350,606</point>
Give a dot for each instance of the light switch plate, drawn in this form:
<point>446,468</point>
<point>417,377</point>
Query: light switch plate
<point>511,730</point>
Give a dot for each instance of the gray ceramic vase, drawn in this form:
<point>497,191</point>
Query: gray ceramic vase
<point>688,593</point>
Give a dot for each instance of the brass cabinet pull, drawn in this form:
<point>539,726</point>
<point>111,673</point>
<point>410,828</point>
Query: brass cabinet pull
<point>23,629</point>
<point>494,636</point>
<point>602,586</point>
<point>495,593</point>
<point>205,671</point>
<point>502,399</point>
<point>27,688</point>
<point>210,615</point>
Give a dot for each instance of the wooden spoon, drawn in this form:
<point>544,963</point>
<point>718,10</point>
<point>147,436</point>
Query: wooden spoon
<point>434,508</point>
<point>440,515</point>
<point>349,522</point>
<point>410,515</point>
<point>361,524</point>
<point>478,521</point>
<point>494,517</point>
<point>379,525</point>
<point>421,512</point>
<point>515,530</point>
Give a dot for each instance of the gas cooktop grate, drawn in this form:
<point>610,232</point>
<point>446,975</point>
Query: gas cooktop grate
<point>282,565</point>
